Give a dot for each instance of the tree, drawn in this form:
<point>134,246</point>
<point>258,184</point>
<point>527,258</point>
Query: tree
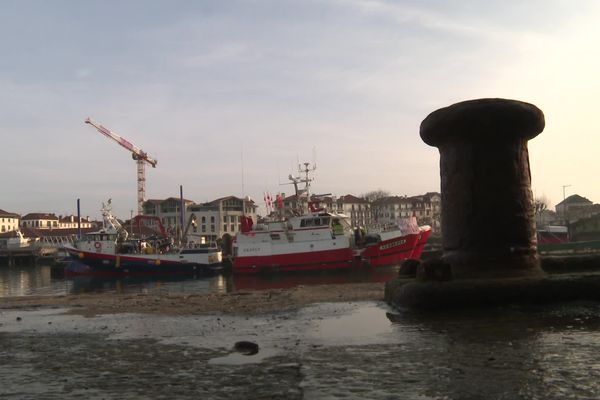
<point>540,204</point>
<point>375,195</point>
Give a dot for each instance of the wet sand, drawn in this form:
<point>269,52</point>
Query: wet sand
<point>328,341</point>
<point>240,302</point>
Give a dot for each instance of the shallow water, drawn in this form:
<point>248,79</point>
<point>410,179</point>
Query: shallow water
<point>46,280</point>
<point>362,350</point>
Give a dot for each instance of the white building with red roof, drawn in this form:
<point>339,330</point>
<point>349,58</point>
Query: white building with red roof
<point>9,221</point>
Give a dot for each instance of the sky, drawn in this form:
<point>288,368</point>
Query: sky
<point>229,96</point>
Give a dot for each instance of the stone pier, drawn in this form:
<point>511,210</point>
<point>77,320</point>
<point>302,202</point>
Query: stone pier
<point>488,227</point>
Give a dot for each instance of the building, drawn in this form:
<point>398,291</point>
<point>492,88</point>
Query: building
<point>358,209</point>
<point>218,218</point>
<point>574,207</point>
<point>426,208</point>
<point>8,221</point>
<point>39,221</point>
<point>168,210</point>
<point>585,229</point>
<point>387,210</point>
<point>70,221</point>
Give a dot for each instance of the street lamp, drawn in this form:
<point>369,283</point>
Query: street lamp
<point>564,205</point>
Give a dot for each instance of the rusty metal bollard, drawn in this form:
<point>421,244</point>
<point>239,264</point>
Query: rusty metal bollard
<point>488,224</point>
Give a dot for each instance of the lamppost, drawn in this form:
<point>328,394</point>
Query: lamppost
<point>564,205</point>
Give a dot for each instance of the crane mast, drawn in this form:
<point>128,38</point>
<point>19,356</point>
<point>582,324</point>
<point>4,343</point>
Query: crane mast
<point>140,157</point>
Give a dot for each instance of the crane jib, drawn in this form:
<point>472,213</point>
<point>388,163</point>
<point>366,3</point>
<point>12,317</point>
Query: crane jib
<point>138,154</point>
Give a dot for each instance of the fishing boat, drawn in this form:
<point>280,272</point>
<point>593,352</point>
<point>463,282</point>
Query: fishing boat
<point>111,252</point>
<point>316,239</point>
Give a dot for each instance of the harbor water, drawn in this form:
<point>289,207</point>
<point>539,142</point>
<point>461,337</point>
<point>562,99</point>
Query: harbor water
<point>31,280</point>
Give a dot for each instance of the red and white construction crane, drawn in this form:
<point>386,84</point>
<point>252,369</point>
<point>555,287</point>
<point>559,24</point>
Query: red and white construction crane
<point>140,156</point>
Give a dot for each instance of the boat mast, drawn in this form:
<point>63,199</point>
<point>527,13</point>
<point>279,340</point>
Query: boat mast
<point>305,193</point>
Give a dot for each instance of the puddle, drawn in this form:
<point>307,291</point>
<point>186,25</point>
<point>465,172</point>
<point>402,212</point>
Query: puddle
<point>349,324</point>
<point>236,358</point>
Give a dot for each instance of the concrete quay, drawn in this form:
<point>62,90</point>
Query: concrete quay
<point>31,255</point>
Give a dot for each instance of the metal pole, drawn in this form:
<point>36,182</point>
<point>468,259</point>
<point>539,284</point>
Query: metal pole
<point>78,220</point>
<point>564,205</point>
<point>181,211</point>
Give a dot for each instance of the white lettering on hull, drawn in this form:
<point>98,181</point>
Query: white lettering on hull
<point>392,244</point>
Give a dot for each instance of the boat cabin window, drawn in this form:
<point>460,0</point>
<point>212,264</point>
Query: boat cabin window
<point>98,238</point>
<point>306,222</point>
<point>324,221</point>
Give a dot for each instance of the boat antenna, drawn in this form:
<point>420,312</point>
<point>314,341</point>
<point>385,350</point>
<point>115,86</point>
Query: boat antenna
<point>242,157</point>
<point>306,170</point>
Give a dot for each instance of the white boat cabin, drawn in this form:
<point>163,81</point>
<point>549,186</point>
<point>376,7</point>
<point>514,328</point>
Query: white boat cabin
<point>307,233</point>
<point>99,242</point>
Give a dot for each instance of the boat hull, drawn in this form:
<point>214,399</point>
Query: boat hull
<point>300,261</point>
<point>384,253</point>
<point>391,251</point>
<point>85,263</point>
<point>421,242</point>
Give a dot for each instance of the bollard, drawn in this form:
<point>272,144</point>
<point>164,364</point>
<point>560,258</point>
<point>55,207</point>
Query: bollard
<point>488,227</point>
<point>488,224</point>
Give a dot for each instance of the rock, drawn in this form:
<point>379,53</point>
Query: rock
<point>408,268</point>
<point>434,270</point>
<point>246,348</point>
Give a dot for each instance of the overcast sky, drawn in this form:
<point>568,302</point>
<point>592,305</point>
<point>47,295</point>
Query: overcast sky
<point>229,95</point>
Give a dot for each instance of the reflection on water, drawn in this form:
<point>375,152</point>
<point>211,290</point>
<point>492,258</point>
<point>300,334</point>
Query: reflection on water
<point>150,285</point>
<point>289,280</point>
<point>32,280</point>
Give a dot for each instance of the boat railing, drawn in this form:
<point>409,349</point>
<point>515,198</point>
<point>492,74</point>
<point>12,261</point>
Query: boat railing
<point>387,227</point>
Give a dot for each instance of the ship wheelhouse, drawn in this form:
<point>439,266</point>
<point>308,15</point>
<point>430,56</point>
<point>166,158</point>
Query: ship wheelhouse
<point>100,237</point>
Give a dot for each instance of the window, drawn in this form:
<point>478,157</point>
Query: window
<point>224,218</point>
<point>203,220</point>
<point>232,218</point>
<point>306,222</point>
<point>232,226</point>
<point>225,227</point>
<point>212,228</point>
<point>212,220</point>
<point>203,228</point>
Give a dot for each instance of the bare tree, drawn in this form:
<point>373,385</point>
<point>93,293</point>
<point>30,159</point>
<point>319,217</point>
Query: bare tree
<point>540,204</point>
<point>375,195</point>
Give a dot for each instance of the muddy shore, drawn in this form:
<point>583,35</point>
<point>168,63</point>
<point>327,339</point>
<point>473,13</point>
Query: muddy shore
<point>240,302</point>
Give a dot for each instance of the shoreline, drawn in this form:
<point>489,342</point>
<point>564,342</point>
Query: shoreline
<point>246,302</point>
